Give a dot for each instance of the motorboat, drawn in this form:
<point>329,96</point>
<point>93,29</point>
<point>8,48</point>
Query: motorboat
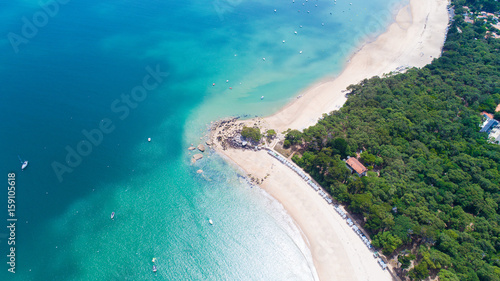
<point>24,164</point>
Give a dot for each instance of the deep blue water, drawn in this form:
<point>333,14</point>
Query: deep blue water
<point>78,67</point>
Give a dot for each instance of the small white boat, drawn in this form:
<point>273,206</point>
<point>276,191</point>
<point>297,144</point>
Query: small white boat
<point>154,259</point>
<point>24,164</point>
<point>112,215</point>
<point>210,221</point>
<point>262,97</point>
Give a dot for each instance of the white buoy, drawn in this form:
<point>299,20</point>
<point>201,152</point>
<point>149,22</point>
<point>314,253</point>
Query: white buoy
<point>149,139</point>
<point>283,41</point>
<point>263,59</point>
<point>300,52</point>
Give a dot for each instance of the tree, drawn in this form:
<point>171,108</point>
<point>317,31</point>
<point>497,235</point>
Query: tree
<point>271,134</point>
<point>497,115</point>
<point>387,242</point>
<point>419,272</point>
<point>361,202</point>
<point>340,147</point>
<point>403,226</point>
<point>287,144</point>
<point>252,134</point>
<point>294,137</point>
<point>370,159</point>
<point>446,275</point>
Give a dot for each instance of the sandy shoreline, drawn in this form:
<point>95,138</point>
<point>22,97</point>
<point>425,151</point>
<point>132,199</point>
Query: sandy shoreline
<point>414,39</point>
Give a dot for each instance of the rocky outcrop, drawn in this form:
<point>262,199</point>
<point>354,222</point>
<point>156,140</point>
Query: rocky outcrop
<point>197,157</point>
<point>201,148</point>
<point>227,133</point>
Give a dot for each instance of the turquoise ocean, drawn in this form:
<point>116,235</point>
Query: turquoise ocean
<point>125,71</point>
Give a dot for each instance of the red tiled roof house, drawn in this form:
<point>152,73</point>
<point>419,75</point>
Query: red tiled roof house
<point>355,166</point>
<point>487,115</point>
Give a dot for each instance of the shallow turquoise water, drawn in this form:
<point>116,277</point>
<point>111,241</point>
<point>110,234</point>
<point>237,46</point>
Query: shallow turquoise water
<point>66,77</point>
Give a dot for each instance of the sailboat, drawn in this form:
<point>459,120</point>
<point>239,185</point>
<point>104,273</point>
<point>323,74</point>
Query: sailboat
<point>24,164</point>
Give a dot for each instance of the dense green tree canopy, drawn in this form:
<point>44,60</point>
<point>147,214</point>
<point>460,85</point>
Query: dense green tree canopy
<point>437,190</point>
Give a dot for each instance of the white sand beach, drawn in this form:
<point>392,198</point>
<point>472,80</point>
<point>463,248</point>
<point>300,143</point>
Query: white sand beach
<point>414,39</point>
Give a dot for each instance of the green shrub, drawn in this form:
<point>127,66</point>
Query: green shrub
<point>271,134</point>
<point>251,134</point>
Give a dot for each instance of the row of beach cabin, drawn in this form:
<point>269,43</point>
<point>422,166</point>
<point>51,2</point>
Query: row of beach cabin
<point>327,198</point>
<point>354,227</point>
<point>301,174</point>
